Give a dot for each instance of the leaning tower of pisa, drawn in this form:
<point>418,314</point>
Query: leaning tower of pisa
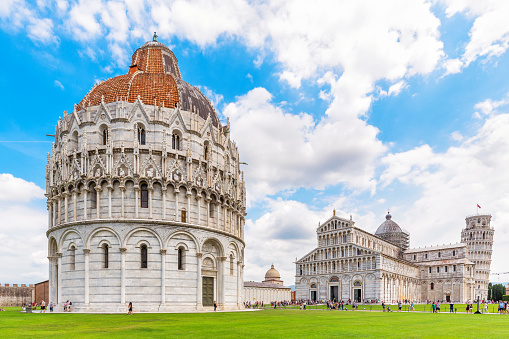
<point>478,234</point>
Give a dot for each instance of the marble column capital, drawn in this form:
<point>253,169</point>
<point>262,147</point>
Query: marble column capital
<point>199,254</point>
<point>86,251</point>
<point>123,249</point>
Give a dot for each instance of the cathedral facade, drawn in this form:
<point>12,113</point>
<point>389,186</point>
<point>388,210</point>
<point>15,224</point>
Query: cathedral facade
<point>145,195</point>
<point>352,264</point>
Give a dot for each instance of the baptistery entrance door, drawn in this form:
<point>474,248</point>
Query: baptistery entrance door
<point>357,294</point>
<point>334,294</point>
<point>208,291</point>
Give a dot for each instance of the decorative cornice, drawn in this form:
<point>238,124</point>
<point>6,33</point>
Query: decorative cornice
<point>157,222</point>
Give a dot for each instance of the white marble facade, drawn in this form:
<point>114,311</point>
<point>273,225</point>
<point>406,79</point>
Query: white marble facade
<point>352,264</point>
<point>146,202</point>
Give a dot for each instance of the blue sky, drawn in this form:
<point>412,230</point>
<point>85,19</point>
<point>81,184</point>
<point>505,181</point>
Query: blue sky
<point>359,107</point>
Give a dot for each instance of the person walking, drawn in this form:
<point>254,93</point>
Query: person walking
<point>130,308</point>
<point>43,306</point>
<point>215,306</point>
<point>434,307</point>
<point>51,306</point>
<point>451,307</point>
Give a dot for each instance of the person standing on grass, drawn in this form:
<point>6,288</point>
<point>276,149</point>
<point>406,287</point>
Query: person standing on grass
<point>130,308</point>
<point>51,306</point>
<point>399,306</point>
<point>215,306</point>
<point>434,307</point>
<point>43,307</point>
<point>486,307</point>
<point>438,306</point>
<point>451,307</point>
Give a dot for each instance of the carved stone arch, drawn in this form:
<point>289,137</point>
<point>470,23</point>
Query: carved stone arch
<point>103,242</point>
<point>213,241</point>
<point>136,229</point>
<point>193,238</point>
<point>64,235</point>
<point>99,229</point>
<point>52,247</point>
<point>207,260</point>
<point>236,248</point>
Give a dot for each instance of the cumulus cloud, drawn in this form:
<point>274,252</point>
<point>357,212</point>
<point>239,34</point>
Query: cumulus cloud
<point>286,151</point>
<point>22,231</point>
<point>452,182</point>
<point>489,35</point>
<point>14,190</point>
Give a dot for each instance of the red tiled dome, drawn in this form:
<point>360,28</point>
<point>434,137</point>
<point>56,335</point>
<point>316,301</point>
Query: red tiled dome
<point>154,76</point>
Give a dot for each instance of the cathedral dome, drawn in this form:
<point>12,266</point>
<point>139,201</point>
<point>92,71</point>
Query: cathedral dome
<point>272,274</point>
<point>154,77</point>
<point>388,226</point>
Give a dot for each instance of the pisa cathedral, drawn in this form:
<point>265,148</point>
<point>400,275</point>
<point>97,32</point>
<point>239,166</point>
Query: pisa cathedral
<point>145,195</point>
<point>352,264</point>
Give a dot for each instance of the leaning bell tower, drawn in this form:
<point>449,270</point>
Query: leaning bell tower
<point>478,235</point>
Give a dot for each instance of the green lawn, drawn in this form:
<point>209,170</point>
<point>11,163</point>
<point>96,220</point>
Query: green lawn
<point>261,324</point>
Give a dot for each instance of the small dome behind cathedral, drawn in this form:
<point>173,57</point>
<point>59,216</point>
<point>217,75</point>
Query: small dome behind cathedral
<point>273,276</point>
<point>391,232</point>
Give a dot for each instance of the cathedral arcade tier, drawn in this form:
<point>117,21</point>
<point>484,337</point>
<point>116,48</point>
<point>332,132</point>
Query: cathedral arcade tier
<point>352,264</point>
<point>145,196</point>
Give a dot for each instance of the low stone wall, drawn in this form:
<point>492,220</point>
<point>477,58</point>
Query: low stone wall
<point>15,295</point>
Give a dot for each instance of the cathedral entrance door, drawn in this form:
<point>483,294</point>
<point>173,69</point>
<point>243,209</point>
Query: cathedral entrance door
<point>357,295</point>
<point>448,298</point>
<point>208,291</point>
<point>313,295</point>
<point>334,293</point>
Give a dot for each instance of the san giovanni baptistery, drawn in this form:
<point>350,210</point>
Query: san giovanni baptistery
<point>145,196</point>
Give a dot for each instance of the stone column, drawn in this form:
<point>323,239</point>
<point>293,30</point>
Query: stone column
<point>86,251</point>
<point>220,278</point>
<point>66,208</point>
<point>163,276</point>
<point>177,191</point>
<point>239,283</point>
<point>122,274</point>
<point>198,199</point>
<point>136,201</point>
<point>85,214</point>
<point>188,217</point>
<point>59,209</point>
<point>53,279</point>
<point>198,280</point>
<point>74,205</point>
<point>59,277</point>
<point>150,193</point>
<point>98,190</point>
<point>163,191</point>
<point>218,214</point>
<point>208,211</point>
<point>110,188</point>
<point>122,193</point>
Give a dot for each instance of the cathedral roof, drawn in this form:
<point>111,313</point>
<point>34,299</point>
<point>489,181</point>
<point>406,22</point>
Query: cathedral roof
<point>389,226</point>
<point>154,77</point>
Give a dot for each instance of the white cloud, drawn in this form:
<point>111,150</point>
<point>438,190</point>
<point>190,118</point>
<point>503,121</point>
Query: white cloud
<point>59,84</point>
<point>286,151</point>
<point>14,189</point>
<point>450,184</point>
<point>397,88</point>
<point>488,106</point>
<point>489,35</point>
<point>22,231</point>
<point>456,136</point>
<point>452,66</point>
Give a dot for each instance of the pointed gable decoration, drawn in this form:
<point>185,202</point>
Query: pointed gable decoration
<point>138,111</point>
<point>97,169</point>
<point>123,166</point>
<point>177,121</point>
<point>199,177</point>
<point>149,167</point>
<point>103,113</point>
<point>176,172</point>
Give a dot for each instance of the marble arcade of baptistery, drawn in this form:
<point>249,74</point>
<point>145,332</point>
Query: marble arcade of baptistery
<point>145,196</point>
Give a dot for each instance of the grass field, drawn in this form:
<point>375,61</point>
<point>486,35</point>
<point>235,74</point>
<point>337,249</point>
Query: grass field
<point>268,323</point>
